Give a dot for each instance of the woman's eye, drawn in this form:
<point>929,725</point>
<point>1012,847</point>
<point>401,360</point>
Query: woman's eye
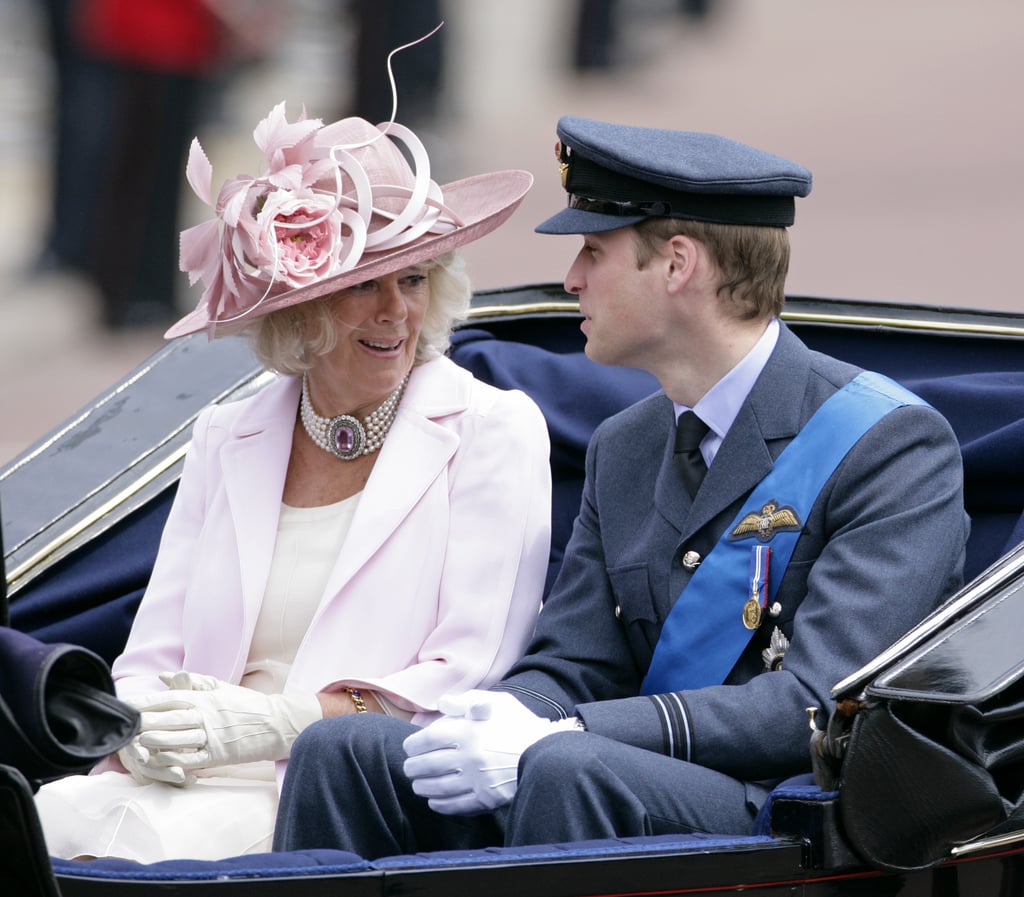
<point>415,280</point>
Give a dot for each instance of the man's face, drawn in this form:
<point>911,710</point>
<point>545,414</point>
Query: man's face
<point>618,300</point>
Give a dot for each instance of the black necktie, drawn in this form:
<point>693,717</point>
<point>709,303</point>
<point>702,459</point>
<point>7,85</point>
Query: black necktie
<point>690,430</point>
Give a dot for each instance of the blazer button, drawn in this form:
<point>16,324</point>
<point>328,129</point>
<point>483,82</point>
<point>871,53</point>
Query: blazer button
<point>691,560</point>
<point>618,612</point>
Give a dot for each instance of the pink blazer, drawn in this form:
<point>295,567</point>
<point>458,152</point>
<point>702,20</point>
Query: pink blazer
<point>439,582</point>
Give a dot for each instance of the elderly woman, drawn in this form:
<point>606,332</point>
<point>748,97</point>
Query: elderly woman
<point>367,533</point>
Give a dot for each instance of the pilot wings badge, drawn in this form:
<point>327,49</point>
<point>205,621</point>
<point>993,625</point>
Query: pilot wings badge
<point>764,524</point>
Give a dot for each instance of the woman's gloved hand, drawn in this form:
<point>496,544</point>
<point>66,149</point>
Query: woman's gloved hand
<point>139,763</point>
<point>201,723</point>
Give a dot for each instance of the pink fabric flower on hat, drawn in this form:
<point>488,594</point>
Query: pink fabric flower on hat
<point>295,237</point>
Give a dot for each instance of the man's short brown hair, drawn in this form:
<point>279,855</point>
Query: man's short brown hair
<point>752,261</point>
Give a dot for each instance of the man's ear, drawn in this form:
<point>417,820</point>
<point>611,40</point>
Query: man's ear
<point>682,255</point>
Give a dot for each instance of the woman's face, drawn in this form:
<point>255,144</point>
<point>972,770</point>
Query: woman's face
<point>378,325</point>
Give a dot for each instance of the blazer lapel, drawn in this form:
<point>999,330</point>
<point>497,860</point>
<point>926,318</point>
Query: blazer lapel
<point>254,465</point>
<point>415,453</point>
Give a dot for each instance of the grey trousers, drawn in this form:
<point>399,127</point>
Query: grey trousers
<point>345,789</point>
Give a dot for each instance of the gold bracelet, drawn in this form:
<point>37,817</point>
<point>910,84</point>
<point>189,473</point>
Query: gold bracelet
<point>357,699</point>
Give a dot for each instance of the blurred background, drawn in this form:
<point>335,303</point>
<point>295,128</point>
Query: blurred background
<point>908,114</point>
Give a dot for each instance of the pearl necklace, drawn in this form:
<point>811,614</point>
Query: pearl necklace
<point>345,436</point>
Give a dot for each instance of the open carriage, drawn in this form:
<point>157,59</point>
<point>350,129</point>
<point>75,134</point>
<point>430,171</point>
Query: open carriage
<point>84,507</point>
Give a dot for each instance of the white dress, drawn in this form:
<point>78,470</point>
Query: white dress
<point>231,810</point>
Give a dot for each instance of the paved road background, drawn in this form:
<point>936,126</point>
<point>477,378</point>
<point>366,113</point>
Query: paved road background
<point>908,113</point>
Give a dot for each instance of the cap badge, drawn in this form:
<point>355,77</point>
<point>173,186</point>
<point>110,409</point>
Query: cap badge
<point>562,155</point>
<point>764,524</point>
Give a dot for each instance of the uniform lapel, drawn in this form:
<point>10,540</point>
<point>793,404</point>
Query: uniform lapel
<point>670,497</point>
<point>771,416</point>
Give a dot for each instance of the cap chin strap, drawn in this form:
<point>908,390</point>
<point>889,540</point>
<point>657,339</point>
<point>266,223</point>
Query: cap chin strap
<point>623,209</point>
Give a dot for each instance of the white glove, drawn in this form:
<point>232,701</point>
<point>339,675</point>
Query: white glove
<point>138,761</point>
<point>468,760</point>
<point>201,722</point>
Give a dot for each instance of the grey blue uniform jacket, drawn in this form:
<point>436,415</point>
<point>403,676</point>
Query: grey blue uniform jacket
<point>881,547</point>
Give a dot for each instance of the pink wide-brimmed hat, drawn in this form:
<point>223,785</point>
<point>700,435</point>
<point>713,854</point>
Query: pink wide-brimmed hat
<point>339,204</point>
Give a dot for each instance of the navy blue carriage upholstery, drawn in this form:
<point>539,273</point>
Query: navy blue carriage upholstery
<point>302,864</point>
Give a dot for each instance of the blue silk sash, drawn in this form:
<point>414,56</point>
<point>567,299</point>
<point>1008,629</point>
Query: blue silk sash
<point>705,632</point>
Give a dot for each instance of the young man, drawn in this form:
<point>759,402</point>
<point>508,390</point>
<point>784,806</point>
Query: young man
<point>723,573</point>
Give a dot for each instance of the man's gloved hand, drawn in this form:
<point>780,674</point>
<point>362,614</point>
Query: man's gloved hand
<point>201,722</point>
<point>468,760</point>
<point>138,760</point>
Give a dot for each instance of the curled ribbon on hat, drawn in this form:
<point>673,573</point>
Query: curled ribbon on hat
<point>312,214</point>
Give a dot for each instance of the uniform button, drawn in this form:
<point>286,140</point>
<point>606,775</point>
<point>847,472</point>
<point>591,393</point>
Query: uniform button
<point>618,612</point>
<point>691,560</point>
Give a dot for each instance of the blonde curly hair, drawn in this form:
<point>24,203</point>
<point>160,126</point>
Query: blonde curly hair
<point>290,340</point>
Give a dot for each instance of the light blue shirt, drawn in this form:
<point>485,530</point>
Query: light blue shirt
<point>719,406</point>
